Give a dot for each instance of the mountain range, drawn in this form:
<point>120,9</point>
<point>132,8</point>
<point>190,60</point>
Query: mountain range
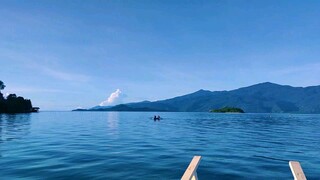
<point>259,98</point>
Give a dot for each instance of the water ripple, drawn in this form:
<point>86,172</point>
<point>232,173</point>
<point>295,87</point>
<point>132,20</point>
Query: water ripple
<point>111,145</point>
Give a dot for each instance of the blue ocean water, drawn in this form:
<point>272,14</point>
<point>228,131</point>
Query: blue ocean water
<point>130,145</point>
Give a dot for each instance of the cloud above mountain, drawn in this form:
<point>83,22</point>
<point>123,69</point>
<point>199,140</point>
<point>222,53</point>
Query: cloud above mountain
<point>114,98</point>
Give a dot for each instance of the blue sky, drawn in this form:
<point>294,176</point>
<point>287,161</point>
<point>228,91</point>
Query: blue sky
<point>68,54</point>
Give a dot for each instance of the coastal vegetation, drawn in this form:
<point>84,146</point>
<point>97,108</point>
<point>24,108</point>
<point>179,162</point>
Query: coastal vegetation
<point>228,110</point>
<point>13,103</point>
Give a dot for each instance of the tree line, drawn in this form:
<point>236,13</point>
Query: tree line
<point>13,103</point>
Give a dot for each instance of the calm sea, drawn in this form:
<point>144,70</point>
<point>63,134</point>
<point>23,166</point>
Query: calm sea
<point>130,145</point>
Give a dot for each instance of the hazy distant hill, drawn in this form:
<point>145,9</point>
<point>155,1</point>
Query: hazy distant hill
<point>99,107</point>
<point>261,98</point>
<point>120,107</point>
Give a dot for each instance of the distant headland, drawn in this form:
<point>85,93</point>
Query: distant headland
<point>259,98</point>
<point>227,110</point>
<point>15,104</point>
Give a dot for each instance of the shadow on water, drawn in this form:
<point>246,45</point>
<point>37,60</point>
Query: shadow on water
<point>14,126</point>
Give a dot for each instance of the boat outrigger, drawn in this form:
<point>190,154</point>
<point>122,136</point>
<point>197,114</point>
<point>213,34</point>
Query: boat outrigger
<point>191,171</point>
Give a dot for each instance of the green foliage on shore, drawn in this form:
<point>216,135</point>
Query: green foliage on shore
<point>14,103</point>
<point>228,110</point>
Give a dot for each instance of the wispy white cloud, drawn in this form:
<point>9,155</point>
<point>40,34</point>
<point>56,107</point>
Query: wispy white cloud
<point>45,64</point>
<point>25,89</point>
<point>54,70</point>
<point>67,76</point>
<point>306,69</point>
<point>303,75</point>
<point>114,98</point>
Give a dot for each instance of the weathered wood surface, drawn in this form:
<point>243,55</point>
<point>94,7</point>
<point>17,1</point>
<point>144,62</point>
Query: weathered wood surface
<point>296,170</point>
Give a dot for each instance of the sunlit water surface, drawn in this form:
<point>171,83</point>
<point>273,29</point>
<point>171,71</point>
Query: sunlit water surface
<point>130,145</point>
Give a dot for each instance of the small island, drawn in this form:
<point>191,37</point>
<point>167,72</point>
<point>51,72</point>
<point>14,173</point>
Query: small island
<point>15,104</point>
<point>228,110</point>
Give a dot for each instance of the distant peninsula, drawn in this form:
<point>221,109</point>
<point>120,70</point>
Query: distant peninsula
<point>15,104</point>
<point>228,110</point>
<point>264,97</point>
<point>120,107</point>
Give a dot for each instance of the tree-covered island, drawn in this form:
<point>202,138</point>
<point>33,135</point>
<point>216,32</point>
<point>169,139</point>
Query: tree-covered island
<point>228,110</point>
<point>15,104</point>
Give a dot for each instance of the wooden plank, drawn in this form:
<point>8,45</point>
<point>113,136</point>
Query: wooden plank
<point>191,172</point>
<point>296,170</point>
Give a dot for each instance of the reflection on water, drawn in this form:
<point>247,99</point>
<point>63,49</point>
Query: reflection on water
<point>14,126</point>
<point>112,121</point>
